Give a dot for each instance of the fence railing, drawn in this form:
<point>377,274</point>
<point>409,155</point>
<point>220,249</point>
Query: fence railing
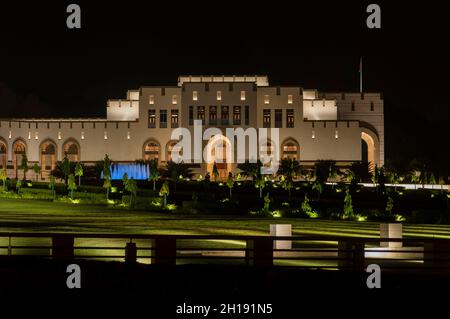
<point>320,252</point>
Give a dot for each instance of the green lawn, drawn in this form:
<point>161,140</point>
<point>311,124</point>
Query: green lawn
<point>42,216</point>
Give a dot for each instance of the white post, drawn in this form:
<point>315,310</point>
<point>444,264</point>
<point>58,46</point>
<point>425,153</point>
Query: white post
<point>281,230</point>
<point>391,230</point>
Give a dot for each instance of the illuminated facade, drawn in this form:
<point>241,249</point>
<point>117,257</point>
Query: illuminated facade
<point>312,125</point>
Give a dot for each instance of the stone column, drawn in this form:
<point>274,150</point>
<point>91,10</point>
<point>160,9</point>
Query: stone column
<point>391,230</point>
<point>281,230</point>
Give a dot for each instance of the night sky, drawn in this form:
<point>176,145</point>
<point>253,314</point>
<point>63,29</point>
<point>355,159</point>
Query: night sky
<point>51,71</point>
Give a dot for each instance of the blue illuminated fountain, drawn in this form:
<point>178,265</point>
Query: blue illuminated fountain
<point>134,171</point>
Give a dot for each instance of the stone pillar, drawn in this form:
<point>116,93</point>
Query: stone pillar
<point>259,252</point>
<point>391,230</point>
<point>281,230</point>
<point>130,253</point>
<point>164,251</point>
<point>62,247</point>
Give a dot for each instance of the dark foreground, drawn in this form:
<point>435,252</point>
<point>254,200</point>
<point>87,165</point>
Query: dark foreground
<point>116,287</point>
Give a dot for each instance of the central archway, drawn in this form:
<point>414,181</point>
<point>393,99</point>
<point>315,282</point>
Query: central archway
<point>218,151</point>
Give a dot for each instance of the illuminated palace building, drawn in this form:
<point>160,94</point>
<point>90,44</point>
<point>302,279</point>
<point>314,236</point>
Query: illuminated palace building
<point>313,125</point>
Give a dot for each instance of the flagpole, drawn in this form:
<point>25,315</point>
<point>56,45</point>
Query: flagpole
<point>360,76</point>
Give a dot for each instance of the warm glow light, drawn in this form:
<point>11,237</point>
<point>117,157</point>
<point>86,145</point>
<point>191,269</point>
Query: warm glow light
<point>59,135</point>
<point>266,99</point>
<point>313,134</point>
<point>242,95</point>
<point>29,135</point>
<point>194,95</point>
<point>336,134</point>
<point>219,95</point>
<point>290,99</point>
<point>10,134</point>
<point>151,99</point>
<point>105,135</point>
<point>128,135</point>
<point>82,135</point>
<point>174,99</point>
<point>36,135</point>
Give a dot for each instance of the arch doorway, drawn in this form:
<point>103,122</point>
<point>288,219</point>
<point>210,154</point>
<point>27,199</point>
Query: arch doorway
<point>172,147</point>
<point>19,151</point>
<point>218,151</point>
<point>151,150</point>
<point>71,149</point>
<point>48,158</point>
<point>369,147</point>
<point>3,154</point>
<point>290,149</point>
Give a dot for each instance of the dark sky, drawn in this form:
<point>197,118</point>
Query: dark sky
<point>48,70</point>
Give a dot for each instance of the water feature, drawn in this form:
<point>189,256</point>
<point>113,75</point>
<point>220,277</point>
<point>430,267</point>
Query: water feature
<point>134,171</point>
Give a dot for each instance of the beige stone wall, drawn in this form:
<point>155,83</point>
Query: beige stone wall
<point>335,135</point>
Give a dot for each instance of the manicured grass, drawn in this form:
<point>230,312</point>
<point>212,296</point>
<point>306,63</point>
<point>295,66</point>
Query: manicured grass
<point>42,216</point>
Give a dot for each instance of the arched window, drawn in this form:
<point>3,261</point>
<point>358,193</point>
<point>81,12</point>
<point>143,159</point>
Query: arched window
<point>151,150</point>
<point>3,154</point>
<point>71,149</point>
<point>19,151</point>
<point>48,157</point>
<point>290,149</point>
<point>172,147</point>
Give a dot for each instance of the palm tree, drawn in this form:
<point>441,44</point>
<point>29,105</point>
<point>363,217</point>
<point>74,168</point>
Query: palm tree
<point>51,185</point>
<point>251,170</point>
<point>36,170</point>
<point>393,179</point>
<point>18,185</point>
<point>442,183</point>
<point>318,186</point>
<point>131,187</point>
<point>289,169</point>
<point>3,177</point>
<point>65,167</point>
<point>415,177</point>
<point>432,179</point>
<point>154,173</point>
<point>375,175</point>
<point>215,172</point>
<point>79,172</point>
<point>287,183</point>
<point>348,206</point>
<point>71,185</point>
<point>164,191</point>
<point>333,172</point>
<point>24,166</point>
<point>176,170</point>
<point>260,183</point>
<point>230,182</point>
<point>107,175</point>
<point>357,172</point>
<point>307,175</point>
<point>322,170</point>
